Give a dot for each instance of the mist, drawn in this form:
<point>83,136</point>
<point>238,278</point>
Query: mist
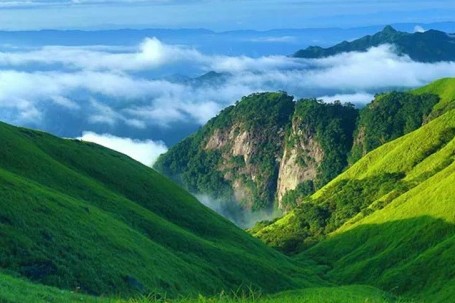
<point>231,210</point>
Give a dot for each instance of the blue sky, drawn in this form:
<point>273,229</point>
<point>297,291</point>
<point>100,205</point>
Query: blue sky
<point>218,14</point>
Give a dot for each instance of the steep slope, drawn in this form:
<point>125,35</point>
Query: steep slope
<point>316,150</point>
<point>78,216</point>
<point>236,154</point>
<point>253,153</point>
<point>392,217</point>
<point>390,116</point>
<point>268,151</point>
<point>429,46</point>
<point>445,89</point>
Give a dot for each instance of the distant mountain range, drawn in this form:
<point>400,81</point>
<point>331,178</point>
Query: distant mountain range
<point>240,42</point>
<point>428,46</point>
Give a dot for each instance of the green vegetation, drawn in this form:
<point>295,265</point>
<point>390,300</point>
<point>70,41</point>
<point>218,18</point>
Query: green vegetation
<point>79,222</point>
<point>388,117</point>
<point>14,290</point>
<point>445,89</point>
<point>399,232</point>
<point>244,143</point>
<point>430,46</point>
<point>201,162</point>
<point>313,219</point>
<point>332,125</point>
<point>75,215</point>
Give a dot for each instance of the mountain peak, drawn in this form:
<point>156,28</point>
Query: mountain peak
<point>430,46</point>
<point>389,29</point>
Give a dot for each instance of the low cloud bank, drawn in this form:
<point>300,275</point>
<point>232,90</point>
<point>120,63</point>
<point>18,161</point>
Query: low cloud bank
<point>146,152</point>
<point>114,87</point>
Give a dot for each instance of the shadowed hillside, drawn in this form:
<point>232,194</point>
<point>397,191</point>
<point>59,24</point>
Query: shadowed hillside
<point>79,216</point>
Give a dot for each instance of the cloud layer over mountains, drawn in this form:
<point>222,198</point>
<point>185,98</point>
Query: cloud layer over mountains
<point>155,86</point>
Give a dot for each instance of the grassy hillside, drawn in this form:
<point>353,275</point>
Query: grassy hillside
<point>445,89</point>
<point>398,235</point>
<point>390,116</point>
<point>78,216</point>
<point>14,290</point>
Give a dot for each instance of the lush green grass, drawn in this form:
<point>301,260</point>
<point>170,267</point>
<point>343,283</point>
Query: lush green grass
<point>404,241</point>
<point>14,290</point>
<point>78,216</point>
<point>408,246</point>
<point>445,89</point>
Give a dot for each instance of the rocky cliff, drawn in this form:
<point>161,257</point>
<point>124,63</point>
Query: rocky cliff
<point>269,151</point>
<point>266,145</point>
<point>236,155</point>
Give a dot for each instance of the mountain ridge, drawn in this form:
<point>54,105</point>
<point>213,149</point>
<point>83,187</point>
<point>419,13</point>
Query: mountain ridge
<point>316,142</point>
<point>429,46</point>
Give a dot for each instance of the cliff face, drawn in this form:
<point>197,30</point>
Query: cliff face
<point>240,146</point>
<point>237,154</point>
<point>301,158</point>
<point>267,145</point>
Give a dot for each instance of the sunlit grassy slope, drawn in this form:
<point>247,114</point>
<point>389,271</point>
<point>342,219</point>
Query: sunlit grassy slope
<point>81,217</point>
<point>408,246</point>
<point>403,241</point>
<point>445,89</point>
<point>14,290</point>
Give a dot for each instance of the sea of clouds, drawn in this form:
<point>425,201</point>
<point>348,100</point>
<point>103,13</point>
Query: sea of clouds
<point>97,92</point>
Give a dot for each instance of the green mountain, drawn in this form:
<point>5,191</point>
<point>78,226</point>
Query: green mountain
<point>79,222</point>
<point>429,46</point>
<point>388,117</point>
<point>82,223</point>
<point>267,151</point>
<point>78,216</point>
<point>254,152</point>
<point>387,221</point>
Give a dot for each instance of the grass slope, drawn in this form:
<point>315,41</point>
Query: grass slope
<point>445,89</point>
<point>408,246</point>
<point>15,290</point>
<point>402,239</point>
<point>78,216</point>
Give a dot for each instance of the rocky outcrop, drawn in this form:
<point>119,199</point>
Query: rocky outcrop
<point>263,147</point>
<point>240,147</point>
<point>300,161</point>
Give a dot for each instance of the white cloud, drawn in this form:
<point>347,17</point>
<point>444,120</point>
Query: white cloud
<point>357,98</point>
<point>107,90</point>
<point>378,68</point>
<point>419,29</point>
<point>146,152</point>
<point>65,102</point>
<point>150,54</point>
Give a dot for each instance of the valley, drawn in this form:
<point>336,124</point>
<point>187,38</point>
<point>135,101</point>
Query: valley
<point>213,167</point>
